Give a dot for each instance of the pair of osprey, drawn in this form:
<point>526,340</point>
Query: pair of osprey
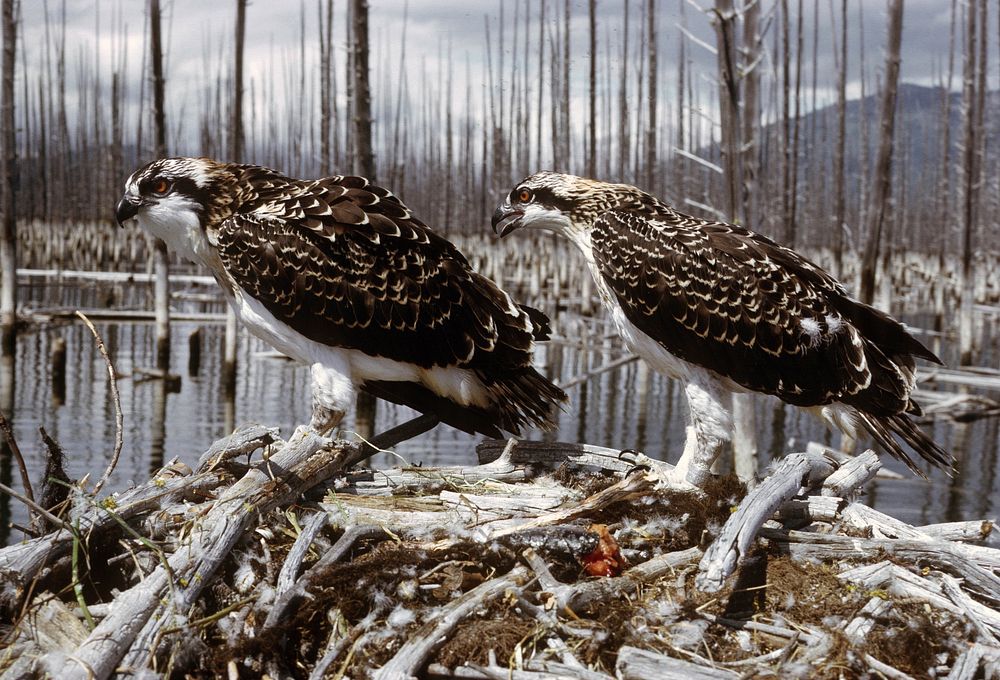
<point>338,274</point>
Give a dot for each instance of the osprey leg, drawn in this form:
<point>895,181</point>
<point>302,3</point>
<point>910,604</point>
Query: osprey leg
<point>332,394</point>
<point>710,430</point>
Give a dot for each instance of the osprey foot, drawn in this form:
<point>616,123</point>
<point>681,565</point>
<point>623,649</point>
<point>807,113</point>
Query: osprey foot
<point>324,419</point>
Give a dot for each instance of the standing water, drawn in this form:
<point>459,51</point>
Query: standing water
<point>628,406</point>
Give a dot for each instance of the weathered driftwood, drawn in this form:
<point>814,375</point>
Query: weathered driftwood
<point>947,557</point>
<point>531,527</point>
<point>739,533</point>
<point>895,580</point>
<point>642,664</point>
<point>22,563</point>
<point>554,453</point>
<point>408,661</point>
<point>129,634</point>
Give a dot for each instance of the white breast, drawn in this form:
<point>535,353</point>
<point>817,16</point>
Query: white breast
<point>460,385</point>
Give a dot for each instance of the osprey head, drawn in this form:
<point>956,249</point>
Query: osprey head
<point>174,198</point>
<point>558,202</point>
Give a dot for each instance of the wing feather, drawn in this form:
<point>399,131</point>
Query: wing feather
<point>344,263</point>
<point>735,302</point>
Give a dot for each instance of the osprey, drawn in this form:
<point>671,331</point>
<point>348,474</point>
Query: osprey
<point>338,274</point>
<point>723,309</point>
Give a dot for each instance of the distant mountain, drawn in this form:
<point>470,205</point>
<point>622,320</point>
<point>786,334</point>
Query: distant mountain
<point>918,132</point>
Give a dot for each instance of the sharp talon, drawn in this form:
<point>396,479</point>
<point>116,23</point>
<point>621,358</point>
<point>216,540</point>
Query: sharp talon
<point>638,468</point>
<point>631,452</point>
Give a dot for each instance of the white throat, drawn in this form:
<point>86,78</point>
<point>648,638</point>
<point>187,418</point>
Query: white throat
<point>174,219</point>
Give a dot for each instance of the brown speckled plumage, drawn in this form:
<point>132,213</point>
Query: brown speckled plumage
<point>727,299</point>
<point>344,263</point>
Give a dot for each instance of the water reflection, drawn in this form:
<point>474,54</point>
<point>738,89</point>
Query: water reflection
<point>8,386</point>
<point>628,407</point>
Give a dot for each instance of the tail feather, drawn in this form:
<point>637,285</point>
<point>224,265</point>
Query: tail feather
<point>469,419</point>
<point>518,399</point>
<point>526,398</point>
<point>885,429</point>
<point>541,329</point>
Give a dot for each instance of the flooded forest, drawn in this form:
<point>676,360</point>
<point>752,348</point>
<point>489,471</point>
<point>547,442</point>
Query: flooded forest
<point>168,508</point>
<point>793,117</point>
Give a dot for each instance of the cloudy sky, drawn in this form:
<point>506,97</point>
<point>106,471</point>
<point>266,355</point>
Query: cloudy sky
<point>280,34</point>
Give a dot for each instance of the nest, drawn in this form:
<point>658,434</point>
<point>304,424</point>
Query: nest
<point>280,558</point>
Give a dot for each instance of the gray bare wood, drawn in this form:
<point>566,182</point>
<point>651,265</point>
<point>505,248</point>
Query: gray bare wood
<point>411,657</point>
<point>740,531</point>
<point>641,664</point>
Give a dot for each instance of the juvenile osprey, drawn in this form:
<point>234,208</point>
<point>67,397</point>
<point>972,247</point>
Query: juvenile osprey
<point>723,309</point>
<point>338,274</point>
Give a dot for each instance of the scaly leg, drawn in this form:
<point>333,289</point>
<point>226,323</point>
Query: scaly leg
<point>710,430</point>
<point>332,394</point>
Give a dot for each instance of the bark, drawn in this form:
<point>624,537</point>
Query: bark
<point>724,19</point>
<point>362,92</point>
<point>651,96</point>
<point>236,122</point>
<point>8,139</point>
<point>839,203</point>
<point>592,127</point>
<point>973,98</point>
<point>882,172</point>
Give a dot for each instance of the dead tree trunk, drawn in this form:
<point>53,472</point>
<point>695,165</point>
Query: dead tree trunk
<point>236,120</point>
<point>364,420</point>
<point>724,18</point>
<point>325,92</point>
<point>362,91</point>
<point>793,187</point>
<point>8,243</point>
<point>623,111</point>
<point>751,111</point>
<point>974,81</point>
<point>650,144</point>
<point>236,156</point>
<point>592,144</point>
<point>838,157</point>
<point>943,211</point>
<point>161,262</point>
<point>882,173</point>
<point>786,126</point>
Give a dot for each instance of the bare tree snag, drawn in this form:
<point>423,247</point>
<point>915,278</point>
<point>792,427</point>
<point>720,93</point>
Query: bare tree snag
<point>882,172</point>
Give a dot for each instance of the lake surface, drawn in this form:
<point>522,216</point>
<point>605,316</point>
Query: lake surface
<point>627,407</point>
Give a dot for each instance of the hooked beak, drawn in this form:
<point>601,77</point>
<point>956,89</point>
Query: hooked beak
<point>127,208</point>
<point>506,219</point>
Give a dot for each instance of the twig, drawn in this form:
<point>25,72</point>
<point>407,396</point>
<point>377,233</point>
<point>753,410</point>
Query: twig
<point>290,569</point>
<point>293,592</point>
<point>8,433</point>
<point>885,669</point>
<point>740,530</point>
<point>35,507</point>
<point>119,418</point>
<point>415,651</point>
<point>77,586</point>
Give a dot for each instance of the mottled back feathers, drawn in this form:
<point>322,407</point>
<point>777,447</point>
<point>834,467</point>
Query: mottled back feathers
<point>344,263</point>
<point>724,298</point>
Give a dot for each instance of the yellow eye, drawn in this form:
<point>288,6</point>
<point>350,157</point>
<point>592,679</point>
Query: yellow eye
<point>525,195</point>
<point>161,186</point>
